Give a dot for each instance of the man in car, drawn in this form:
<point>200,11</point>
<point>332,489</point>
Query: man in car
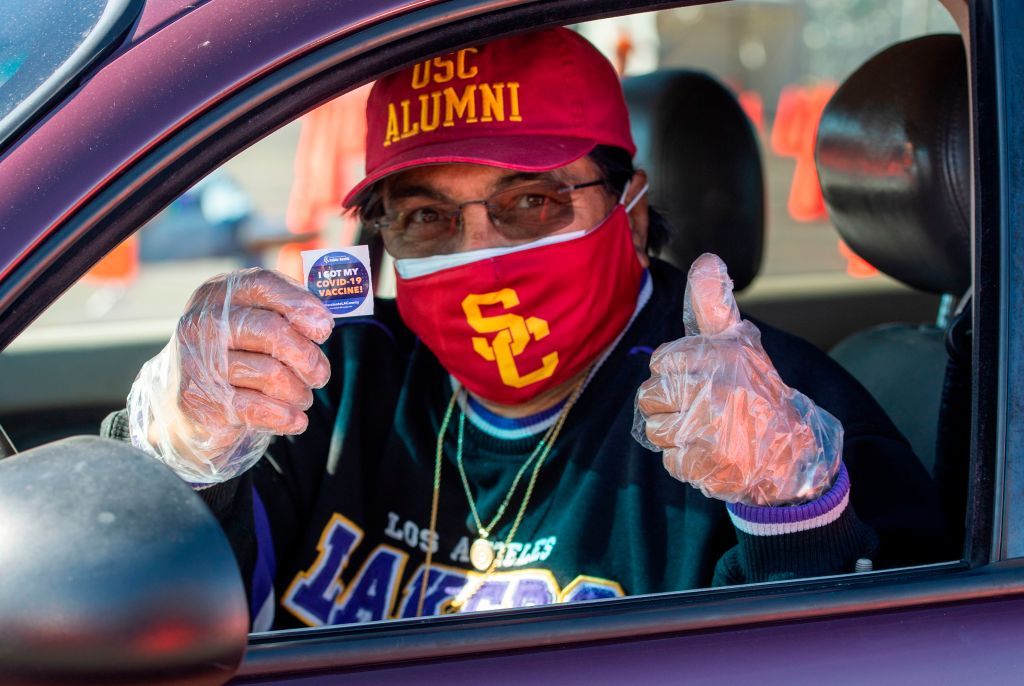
<point>471,445</point>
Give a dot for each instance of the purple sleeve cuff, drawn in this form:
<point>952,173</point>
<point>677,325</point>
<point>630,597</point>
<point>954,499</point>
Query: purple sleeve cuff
<point>773,521</point>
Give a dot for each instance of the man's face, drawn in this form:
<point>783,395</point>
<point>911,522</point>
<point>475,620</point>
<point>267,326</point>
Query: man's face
<point>451,185</point>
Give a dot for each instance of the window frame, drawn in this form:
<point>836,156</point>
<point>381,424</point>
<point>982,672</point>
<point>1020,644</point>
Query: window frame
<point>1004,212</point>
<point>149,183</point>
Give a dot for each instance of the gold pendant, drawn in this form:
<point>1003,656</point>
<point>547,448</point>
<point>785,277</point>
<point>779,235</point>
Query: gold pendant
<point>481,554</point>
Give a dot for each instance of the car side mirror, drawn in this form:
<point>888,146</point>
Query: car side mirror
<point>113,571</point>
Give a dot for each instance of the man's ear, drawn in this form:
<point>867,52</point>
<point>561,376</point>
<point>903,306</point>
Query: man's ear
<point>638,218</point>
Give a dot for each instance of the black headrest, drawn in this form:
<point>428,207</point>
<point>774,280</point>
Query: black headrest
<point>893,156</point>
<point>704,164</point>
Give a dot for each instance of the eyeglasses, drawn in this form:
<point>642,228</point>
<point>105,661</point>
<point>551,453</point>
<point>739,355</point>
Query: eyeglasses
<point>525,212</point>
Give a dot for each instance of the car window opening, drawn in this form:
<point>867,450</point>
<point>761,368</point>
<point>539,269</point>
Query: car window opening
<point>438,498</point>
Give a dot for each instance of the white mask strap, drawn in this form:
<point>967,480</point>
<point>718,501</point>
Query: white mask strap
<point>636,199</point>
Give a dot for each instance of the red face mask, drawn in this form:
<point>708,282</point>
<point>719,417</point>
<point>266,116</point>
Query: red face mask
<point>522,320</point>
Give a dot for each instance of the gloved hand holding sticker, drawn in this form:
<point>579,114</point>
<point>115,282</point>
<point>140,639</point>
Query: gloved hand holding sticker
<point>724,419</point>
<point>238,370</point>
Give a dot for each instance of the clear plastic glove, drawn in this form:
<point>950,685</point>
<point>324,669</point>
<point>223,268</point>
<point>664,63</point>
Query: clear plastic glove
<point>238,370</point>
<point>717,408</point>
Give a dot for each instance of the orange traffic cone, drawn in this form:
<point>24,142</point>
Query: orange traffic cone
<point>328,162</point>
<point>856,266</point>
<point>785,138</point>
<point>623,48</point>
<point>794,135</point>
<point>753,104</point>
<point>120,266</point>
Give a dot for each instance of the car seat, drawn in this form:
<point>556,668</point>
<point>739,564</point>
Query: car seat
<point>893,158</point>
<point>704,164</point>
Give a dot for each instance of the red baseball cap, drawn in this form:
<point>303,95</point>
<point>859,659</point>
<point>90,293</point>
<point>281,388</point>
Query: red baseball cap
<point>533,102</point>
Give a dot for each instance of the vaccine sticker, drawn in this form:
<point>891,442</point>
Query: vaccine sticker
<point>341,279</point>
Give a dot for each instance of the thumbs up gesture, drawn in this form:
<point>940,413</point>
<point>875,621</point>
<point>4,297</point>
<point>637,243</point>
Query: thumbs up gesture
<point>717,408</point>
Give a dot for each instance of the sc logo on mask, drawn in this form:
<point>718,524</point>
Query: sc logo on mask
<point>512,333</point>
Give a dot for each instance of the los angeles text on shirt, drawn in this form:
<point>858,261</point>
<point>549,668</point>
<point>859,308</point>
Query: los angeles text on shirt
<point>319,596</point>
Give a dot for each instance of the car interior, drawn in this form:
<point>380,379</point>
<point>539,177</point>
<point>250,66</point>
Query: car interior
<point>893,161</point>
<point>893,156</point>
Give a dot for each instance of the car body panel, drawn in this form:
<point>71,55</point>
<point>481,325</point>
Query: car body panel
<point>158,13</point>
<point>954,644</point>
<point>861,599</point>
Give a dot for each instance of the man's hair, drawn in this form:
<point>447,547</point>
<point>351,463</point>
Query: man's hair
<point>615,165</point>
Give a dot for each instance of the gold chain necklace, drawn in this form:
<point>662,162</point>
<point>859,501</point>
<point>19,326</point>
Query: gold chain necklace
<point>470,589</point>
<point>481,553</point>
<point>434,501</point>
